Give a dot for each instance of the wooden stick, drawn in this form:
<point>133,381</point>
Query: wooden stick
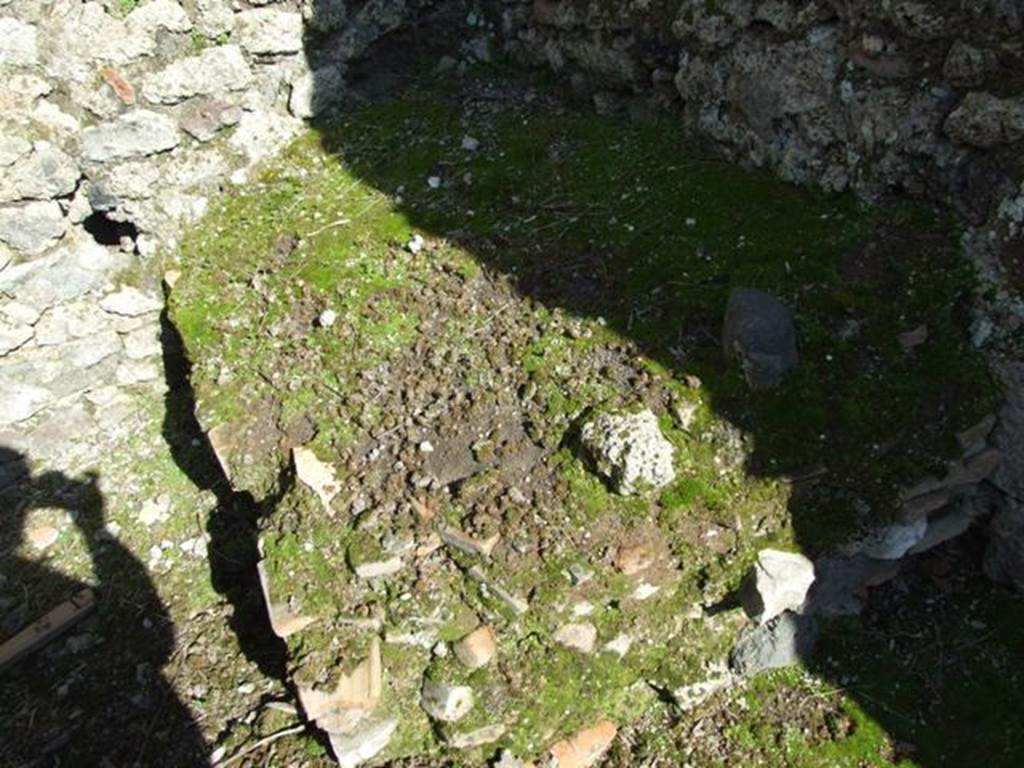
<point>43,630</point>
<point>261,743</point>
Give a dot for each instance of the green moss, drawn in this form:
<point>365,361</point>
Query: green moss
<point>612,186</point>
<point>633,243</point>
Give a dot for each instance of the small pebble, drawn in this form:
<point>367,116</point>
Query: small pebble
<point>415,245</point>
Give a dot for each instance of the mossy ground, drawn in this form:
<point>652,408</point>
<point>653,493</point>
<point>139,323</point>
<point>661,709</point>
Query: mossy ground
<point>929,676</point>
<point>570,263</point>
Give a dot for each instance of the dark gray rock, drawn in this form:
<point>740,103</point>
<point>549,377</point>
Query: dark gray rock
<point>968,66</point>
<point>100,200</point>
<point>1004,555</point>
<point>1008,434</point>
<point>758,331</point>
<point>841,583</point>
<point>983,120</point>
<point>785,640</point>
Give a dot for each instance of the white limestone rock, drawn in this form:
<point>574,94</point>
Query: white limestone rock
<point>364,743</point>
<point>262,134</point>
<point>18,42</point>
<point>267,31</point>
<point>20,400</point>
<point>13,336</point>
<point>12,149</point>
<point>78,266</point>
<point>43,174</point>
<point>130,302</point>
<point>84,34</point>
<point>134,134</point>
<point>214,18</point>
<point>214,71</point>
<point>76,319</point>
<point>33,227</point>
<point>580,636</point>
<point>778,582</point>
<point>155,15</point>
<point>630,451</point>
<point>448,703</point>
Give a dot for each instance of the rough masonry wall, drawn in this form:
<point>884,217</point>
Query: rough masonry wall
<point>116,127</point>
<point>920,98</point>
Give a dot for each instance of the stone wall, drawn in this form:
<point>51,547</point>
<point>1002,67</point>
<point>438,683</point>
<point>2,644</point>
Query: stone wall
<point>116,128</point>
<point>920,98</point>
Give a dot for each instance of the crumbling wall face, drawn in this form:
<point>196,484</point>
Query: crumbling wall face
<point>920,98</point>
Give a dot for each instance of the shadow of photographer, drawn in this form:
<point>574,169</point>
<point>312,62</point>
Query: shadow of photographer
<point>109,684</point>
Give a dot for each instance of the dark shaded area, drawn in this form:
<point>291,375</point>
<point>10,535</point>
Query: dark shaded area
<point>117,654</point>
<point>946,715</point>
<point>108,231</point>
<point>937,659</point>
<point>232,526</point>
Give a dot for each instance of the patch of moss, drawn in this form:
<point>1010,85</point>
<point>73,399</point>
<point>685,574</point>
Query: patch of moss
<point>618,239</point>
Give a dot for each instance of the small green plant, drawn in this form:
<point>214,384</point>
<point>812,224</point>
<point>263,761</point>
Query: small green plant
<point>125,7</point>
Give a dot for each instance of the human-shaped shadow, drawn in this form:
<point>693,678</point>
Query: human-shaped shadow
<point>102,693</point>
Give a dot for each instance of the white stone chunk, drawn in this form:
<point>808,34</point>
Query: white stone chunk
<point>33,227</point>
<point>214,71</point>
<point>130,302</point>
<point>44,174</point>
<point>263,134</point>
<point>630,451</point>
<point>365,743</point>
<point>159,14</point>
<point>577,636</point>
<point>18,42</point>
<point>778,582</point>
<point>266,31</point>
<point>134,134</point>
<point>448,703</point>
